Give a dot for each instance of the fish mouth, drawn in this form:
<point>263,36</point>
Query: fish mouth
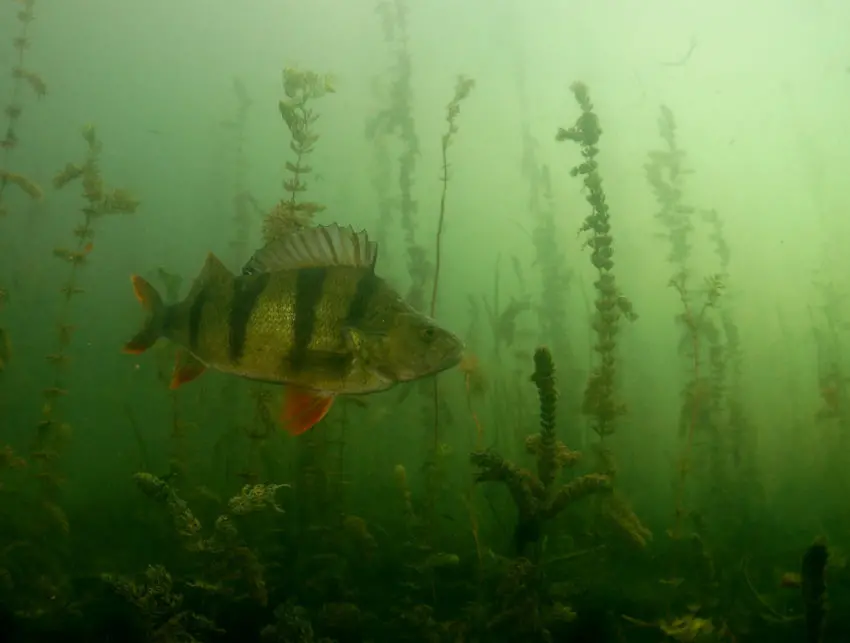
<point>451,361</point>
<point>448,362</point>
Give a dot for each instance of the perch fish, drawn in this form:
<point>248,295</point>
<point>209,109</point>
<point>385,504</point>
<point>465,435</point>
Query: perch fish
<point>309,312</point>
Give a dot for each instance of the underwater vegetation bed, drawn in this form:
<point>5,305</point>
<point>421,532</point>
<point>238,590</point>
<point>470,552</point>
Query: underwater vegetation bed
<point>429,485</point>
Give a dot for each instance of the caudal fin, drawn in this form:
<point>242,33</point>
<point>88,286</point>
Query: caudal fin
<point>152,328</point>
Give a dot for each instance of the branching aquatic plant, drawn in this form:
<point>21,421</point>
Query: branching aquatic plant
<point>601,399</point>
<point>601,402</point>
<point>462,89</point>
<point>703,393</point>
<point>293,212</point>
<point>397,118</point>
<point>22,77</point>
<point>245,206</point>
<point>98,202</point>
<point>697,325</point>
<point>536,497</point>
<point>47,523</point>
<point>161,607</point>
<point>379,130</point>
<point>245,211</point>
<point>227,554</point>
<point>738,443</point>
<point>555,276</point>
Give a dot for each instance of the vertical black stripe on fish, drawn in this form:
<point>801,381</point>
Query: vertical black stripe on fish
<point>246,292</point>
<point>308,293</point>
<point>196,309</point>
<point>367,286</point>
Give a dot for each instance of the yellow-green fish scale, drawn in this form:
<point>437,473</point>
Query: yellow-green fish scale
<point>292,330</point>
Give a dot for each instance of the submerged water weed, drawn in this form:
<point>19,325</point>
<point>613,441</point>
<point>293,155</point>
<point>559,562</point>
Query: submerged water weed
<point>536,497</point>
<point>161,608</point>
<point>601,400</point>
<point>98,201</point>
<point>255,498</point>
<point>293,213</point>
<point>207,553</point>
<point>22,77</point>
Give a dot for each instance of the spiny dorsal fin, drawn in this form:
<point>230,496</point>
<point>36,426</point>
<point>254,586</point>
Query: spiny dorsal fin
<point>322,246</point>
<point>213,272</point>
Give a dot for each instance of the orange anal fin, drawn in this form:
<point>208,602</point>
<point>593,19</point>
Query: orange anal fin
<point>134,347</point>
<point>186,369</point>
<point>303,409</point>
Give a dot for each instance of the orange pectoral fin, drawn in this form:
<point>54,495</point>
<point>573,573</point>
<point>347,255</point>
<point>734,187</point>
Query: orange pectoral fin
<point>303,409</point>
<point>186,369</point>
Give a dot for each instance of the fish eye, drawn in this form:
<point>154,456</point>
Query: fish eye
<point>428,333</point>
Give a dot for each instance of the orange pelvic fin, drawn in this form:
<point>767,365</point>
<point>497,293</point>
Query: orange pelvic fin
<point>303,409</point>
<point>186,369</point>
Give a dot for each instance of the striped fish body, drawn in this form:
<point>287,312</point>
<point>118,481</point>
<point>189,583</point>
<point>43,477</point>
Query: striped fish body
<point>287,327</point>
<point>308,311</point>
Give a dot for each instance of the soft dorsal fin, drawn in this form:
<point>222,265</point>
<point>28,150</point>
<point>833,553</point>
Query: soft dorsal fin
<point>213,272</point>
<point>322,246</point>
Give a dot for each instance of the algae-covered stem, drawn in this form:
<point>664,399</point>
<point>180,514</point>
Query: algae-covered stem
<point>692,325</point>
<point>98,202</point>
<point>9,140</point>
<point>20,75</point>
<point>444,179</point>
<point>462,88</point>
<point>242,198</point>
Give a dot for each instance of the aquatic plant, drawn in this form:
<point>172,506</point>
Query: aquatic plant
<point>549,258</point>
<point>22,77</point>
<point>727,385</point>
<point>46,521</point>
<point>703,392</point>
<point>161,608</point>
<point>397,118</point>
<point>601,402</point>
<point>379,132</point>
<point>697,323</point>
<point>507,384</point>
<point>245,206</point>
<point>292,212</point>
<point>98,202</point>
<point>462,89</point>
<point>314,498</point>
<point>227,555</point>
<point>245,210</point>
<point>665,171</point>
<point>292,624</point>
<point>536,497</point>
<point>169,360</point>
